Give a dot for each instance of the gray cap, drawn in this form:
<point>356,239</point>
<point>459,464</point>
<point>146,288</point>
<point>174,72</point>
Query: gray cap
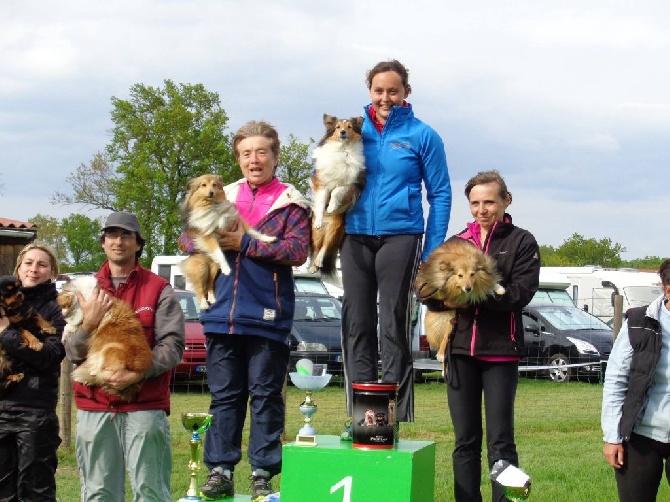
<point>126,221</point>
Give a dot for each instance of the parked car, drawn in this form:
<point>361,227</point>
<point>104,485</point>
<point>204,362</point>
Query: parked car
<point>317,331</point>
<point>567,341</point>
<point>192,366</point>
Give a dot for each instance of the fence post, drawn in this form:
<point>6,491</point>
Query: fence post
<point>65,402</point>
<point>618,315</point>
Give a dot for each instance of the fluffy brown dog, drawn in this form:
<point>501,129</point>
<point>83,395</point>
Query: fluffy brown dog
<point>460,273</point>
<point>26,320</point>
<point>205,210</point>
<point>117,343</point>
<point>339,167</point>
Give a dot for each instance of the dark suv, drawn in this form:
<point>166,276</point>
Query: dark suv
<point>564,342</point>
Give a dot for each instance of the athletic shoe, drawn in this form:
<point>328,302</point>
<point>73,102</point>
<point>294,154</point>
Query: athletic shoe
<point>219,485</point>
<point>260,487</point>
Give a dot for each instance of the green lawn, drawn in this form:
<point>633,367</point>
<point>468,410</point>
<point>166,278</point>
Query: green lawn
<point>557,430</point>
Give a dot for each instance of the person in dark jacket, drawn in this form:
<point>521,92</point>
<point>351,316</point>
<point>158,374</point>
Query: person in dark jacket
<point>247,327</point>
<point>635,417</point>
<point>487,343</point>
<point>115,436</point>
<point>28,423</point>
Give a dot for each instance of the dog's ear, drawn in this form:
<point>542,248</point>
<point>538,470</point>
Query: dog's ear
<point>356,123</point>
<point>329,120</point>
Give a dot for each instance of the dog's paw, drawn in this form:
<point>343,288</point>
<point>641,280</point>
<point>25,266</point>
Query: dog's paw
<point>318,224</point>
<point>498,290</point>
<point>440,357</point>
<point>204,304</point>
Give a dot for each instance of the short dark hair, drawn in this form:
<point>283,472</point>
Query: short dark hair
<point>664,272</point>
<point>384,66</point>
<point>484,177</point>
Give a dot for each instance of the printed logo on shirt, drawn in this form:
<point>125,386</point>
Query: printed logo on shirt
<point>269,314</point>
<point>396,144</point>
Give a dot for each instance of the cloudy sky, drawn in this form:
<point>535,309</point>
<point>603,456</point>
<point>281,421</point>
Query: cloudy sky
<point>570,99</point>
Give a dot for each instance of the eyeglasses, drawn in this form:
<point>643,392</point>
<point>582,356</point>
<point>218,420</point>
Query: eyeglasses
<point>112,235</point>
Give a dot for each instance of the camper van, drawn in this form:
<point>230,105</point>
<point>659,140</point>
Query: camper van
<point>593,288</point>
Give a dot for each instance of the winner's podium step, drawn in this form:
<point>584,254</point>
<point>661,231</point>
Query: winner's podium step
<point>335,471</point>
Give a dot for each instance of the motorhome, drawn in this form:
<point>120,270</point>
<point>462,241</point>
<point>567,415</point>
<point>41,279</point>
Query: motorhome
<point>593,288</point>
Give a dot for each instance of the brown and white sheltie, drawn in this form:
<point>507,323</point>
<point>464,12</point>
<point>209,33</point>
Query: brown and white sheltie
<point>459,272</point>
<point>117,343</point>
<point>206,209</point>
<point>339,168</point>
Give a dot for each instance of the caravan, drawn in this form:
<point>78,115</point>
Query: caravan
<point>593,288</point>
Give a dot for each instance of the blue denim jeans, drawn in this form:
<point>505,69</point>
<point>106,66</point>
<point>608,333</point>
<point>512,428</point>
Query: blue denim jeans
<point>108,444</point>
<point>241,370</point>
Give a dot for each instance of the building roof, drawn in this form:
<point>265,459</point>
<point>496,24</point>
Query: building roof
<point>7,224</point>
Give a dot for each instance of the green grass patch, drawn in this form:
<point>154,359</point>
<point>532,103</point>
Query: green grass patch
<point>557,432</point>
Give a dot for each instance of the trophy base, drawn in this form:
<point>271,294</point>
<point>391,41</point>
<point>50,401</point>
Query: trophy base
<point>305,440</point>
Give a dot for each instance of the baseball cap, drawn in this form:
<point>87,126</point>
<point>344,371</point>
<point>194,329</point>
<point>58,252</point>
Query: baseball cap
<point>126,221</point>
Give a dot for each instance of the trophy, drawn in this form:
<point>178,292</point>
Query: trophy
<point>196,423</point>
<point>306,380</point>
<point>515,482</point>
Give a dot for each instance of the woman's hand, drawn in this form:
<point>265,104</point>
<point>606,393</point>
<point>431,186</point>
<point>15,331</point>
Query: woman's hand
<point>231,240</point>
<point>614,454</point>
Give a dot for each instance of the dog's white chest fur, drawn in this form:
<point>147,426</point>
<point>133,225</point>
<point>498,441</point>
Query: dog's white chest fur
<point>208,219</point>
<point>339,163</point>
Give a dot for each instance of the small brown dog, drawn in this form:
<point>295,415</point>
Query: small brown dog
<point>460,273</point>
<point>205,210</point>
<point>117,343</point>
<point>339,170</point>
<point>26,320</point>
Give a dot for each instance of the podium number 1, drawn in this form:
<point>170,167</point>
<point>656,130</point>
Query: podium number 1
<point>346,483</point>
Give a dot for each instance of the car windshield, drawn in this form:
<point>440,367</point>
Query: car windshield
<point>307,284</point>
<point>189,305</point>
<point>317,308</point>
<point>566,318</point>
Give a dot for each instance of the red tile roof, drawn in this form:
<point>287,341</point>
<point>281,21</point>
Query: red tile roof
<point>6,223</point>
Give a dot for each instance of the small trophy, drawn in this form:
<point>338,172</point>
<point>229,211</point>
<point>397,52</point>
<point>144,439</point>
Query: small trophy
<point>515,482</point>
<point>305,379</point>
<point>196,423</point>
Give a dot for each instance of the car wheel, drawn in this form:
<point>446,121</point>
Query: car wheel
<point>559,371</point>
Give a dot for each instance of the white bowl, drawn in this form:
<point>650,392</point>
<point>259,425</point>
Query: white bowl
<point>309,382</point>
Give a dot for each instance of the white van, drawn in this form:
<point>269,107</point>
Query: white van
<point>593,288</point>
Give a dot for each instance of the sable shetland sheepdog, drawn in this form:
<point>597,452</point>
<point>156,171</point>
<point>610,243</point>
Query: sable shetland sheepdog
<point>206,209</point>
<point>458,272</point>
<point>339,166</point>
<point>117,343</point>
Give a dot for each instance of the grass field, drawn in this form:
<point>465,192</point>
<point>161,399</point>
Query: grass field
<point>557,431</point>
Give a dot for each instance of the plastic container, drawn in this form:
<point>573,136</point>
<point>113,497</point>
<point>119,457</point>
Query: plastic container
<point>374,415</point>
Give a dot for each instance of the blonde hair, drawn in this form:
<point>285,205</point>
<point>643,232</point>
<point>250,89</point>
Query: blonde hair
<point>42,247</point>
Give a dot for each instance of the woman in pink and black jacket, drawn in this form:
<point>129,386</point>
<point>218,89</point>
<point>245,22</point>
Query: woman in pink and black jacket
<point>488,340</point>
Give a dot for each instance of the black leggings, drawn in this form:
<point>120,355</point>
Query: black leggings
<point>379,269</point>
<point>498,381</point>
<point>640,476</point>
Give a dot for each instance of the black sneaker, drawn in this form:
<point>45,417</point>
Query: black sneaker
<point>260,487</point>
<point>218,486</point>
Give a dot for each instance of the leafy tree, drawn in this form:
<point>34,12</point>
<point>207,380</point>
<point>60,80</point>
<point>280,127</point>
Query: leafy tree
<point>579,251</point>
<point>49,233</point>
<point>295,164</point>
<point>93,184</point>
<point>648,263</point>
<point>163,137</point>
<point>82,235</point>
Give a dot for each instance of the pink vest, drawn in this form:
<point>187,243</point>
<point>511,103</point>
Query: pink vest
<point>254,206</point>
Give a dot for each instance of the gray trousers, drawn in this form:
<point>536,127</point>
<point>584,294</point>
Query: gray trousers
<point>108,444</point>
<point>379,268</point>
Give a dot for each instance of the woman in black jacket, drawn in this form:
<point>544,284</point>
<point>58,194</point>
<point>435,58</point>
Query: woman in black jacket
<point>487,344</point>
<point>28,422</point>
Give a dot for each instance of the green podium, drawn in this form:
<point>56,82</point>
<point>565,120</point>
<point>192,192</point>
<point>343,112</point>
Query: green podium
<point>335,471</point>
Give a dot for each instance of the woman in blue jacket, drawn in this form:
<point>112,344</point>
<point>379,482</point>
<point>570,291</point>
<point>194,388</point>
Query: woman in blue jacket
<point>384,245</point>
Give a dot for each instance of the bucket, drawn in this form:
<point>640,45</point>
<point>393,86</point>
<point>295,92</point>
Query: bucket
<point>374,415</point>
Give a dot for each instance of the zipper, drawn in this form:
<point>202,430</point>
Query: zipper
<point>233,301</point>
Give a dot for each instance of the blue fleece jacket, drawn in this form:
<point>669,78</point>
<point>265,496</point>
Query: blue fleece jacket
<point>406,153</point>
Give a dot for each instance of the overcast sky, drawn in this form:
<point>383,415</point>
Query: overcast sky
<point>570,100</point>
